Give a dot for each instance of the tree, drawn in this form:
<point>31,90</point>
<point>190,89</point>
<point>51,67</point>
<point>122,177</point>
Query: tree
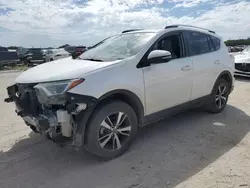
<point>12,47</point>
<point>238,42</point>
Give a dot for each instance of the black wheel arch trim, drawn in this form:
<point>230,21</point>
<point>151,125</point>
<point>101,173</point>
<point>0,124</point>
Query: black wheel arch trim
<point>129,97</point>
<point>226,72</point>
<point>83,117</point>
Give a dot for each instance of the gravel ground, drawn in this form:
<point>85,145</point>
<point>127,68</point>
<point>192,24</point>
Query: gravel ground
<point>191,150</point>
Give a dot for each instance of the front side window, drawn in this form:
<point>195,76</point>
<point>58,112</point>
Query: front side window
<point>49,52</point>
<point>170,43</point>
<point>197,43</point>
<point>118,47</point>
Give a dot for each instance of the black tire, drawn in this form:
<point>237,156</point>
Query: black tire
<point>95,131</point>
<point>51,59</point>
<point>218,105</point>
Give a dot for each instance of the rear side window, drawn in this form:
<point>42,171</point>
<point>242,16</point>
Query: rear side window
<point>216,42</point>
<point>211,44</point>
<point>197,43</point>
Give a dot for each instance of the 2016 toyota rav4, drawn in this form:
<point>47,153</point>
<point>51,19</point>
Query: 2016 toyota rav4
<point>99,100</point>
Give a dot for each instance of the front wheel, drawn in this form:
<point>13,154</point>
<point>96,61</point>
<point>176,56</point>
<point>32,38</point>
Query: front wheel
<point>219,96</point>
<point>111,130</point>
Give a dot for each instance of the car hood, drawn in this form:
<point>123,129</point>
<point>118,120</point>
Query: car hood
<point>242,58</point>
<point>63,69</point>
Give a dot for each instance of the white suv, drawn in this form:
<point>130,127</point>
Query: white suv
<point>100,99</point>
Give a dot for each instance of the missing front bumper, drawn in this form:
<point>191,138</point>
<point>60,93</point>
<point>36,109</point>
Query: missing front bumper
<point>44,118</point>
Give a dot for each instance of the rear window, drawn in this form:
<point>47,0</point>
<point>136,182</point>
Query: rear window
<point>197,43</point>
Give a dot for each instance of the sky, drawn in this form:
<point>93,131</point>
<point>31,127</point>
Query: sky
<point>44,23</point>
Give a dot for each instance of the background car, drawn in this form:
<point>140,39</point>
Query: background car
<point>8,57</point>
<point>54,54</point>
<point>21,54</point>
<point>34,56</point>
<point>3,49</point>
<point>242,63</point>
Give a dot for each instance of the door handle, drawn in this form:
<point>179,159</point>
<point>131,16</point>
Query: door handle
<point>186,68</point>
<point>217,62</point>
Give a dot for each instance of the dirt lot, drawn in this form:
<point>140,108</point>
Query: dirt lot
<point>191,150</point>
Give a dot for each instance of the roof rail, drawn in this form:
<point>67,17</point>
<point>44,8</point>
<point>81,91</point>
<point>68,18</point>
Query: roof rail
<point>182,25</point>
<point>130,30</point>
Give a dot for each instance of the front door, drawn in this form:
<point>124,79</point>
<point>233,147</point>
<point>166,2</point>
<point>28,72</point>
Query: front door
<point>169,83</point>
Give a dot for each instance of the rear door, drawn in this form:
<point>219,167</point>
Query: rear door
<point>204,63</point>
<point>220,55</point>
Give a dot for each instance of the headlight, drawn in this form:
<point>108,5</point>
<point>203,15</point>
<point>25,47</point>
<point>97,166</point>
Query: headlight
<point>54,92</point>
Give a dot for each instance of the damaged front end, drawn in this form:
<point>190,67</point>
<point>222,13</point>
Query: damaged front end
<point>49,109</point>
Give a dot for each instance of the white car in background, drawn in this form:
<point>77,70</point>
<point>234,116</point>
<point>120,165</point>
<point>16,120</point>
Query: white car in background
<point>242,63</point>
<point>55,54</point>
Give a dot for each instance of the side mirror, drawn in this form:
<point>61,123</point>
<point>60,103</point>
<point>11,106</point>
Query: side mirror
<point>159,56</point>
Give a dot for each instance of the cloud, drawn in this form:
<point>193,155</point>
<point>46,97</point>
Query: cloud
<point>55,22</point>
<point>230,20</point>
<point>188,3</point>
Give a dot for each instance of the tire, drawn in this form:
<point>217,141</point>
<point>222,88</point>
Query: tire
<point>97,135</point>
<point>219,96</point>
<point>51,59</point>
<point>26,62</point>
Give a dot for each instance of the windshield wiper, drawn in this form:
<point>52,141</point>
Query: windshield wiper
<point>92,59</point>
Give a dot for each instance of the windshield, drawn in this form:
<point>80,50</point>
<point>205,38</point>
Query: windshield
<point>247,49</point>
<point>101,42</point>
<point>35,50</point>
<point>118,47</point>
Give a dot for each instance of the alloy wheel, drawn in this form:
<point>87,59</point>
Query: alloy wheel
<point>114,131</point>
<point>221,96</point>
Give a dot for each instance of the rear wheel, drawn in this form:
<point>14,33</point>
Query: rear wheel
<point>26,62</point>
<point>219,96</point>
<point>111,130</point>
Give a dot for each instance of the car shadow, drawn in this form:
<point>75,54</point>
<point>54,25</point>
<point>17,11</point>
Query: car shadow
<point>164,155</point>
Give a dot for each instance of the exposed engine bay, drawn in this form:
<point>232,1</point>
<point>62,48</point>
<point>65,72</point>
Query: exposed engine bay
<point>54,116</point>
